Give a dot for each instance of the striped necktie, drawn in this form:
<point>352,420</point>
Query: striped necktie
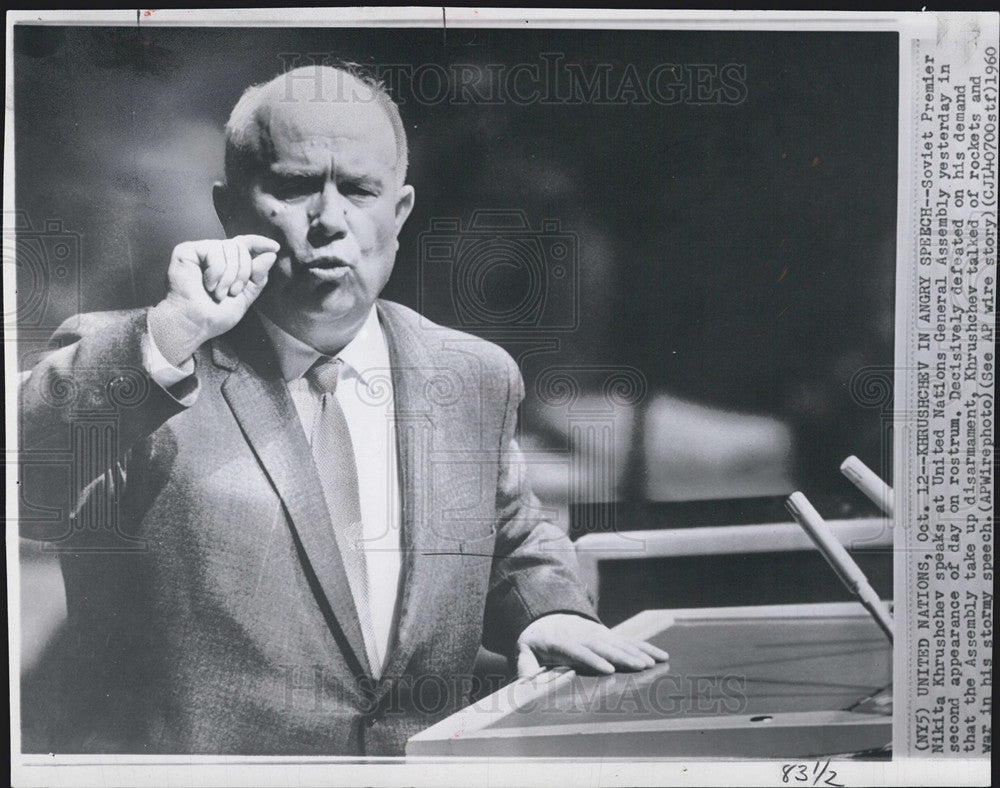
<point>333,454</point>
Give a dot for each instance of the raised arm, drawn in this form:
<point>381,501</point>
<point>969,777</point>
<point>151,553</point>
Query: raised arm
<point>111,379</point>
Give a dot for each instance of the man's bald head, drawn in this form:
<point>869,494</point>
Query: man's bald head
<point>314,89</point>
<point>316,161</point>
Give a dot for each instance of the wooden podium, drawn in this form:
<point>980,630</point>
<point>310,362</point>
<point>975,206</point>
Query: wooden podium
<point>782,681</point>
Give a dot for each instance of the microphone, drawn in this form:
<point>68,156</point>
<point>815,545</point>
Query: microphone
<point>839,559</point>
<point>877,491</point>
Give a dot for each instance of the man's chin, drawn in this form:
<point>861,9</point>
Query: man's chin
<point>331,304</point>
<point>337,306</point>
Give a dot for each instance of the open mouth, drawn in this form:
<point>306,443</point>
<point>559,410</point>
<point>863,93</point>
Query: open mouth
<point>328,270</point>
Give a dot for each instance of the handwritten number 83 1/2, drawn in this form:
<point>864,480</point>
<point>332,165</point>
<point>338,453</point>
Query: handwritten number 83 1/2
<point>801,773</point>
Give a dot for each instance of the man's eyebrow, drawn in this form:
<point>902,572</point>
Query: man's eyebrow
<point>296,171</point>
<point>360,178</point>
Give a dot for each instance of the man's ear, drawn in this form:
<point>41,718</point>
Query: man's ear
<point>222,196</point>
<point>404,204</point>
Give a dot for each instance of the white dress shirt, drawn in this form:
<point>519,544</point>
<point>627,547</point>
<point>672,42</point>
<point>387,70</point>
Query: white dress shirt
<point>364,391</point>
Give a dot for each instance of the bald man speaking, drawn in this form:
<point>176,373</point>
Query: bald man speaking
<point>315,536</point>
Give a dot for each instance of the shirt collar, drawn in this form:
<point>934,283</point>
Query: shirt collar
<point>363,355</point>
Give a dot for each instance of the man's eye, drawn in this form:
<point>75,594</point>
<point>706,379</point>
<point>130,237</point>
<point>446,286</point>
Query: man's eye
<point>357,190</point>
<point>291,188</point>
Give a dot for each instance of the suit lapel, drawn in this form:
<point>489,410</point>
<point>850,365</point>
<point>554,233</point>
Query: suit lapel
<point>259,399</point>
<point>414,418</point>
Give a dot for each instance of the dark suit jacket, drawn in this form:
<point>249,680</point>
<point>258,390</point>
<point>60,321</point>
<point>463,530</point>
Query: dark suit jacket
<point>208,606</point>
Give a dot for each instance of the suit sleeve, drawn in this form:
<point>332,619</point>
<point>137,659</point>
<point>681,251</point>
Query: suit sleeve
<point>83,406</point>
<point>534,566</point>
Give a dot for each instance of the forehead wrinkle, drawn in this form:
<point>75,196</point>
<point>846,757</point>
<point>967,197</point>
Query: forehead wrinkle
<point>356,147</point>
<point>335,165</point>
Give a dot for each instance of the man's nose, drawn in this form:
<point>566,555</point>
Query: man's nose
<point>329,220</point>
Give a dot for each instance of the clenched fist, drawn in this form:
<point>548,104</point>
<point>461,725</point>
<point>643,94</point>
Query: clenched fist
<point>210,286</point>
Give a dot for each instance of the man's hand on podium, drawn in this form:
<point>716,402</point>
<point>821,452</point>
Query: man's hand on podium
<point>577,642</point>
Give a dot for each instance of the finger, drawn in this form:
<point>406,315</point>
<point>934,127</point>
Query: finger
<point>581,656</point>
<point>527,662</point>
<point>231,252</point>
<point>637,653</point>
<point>190,252</point>
<point>621,656</point>
<point>214,264</point>
<point>656,653</point>
<point>243,271</point>
<point>260,266</point>
<point>629,647</point>
<point>257,244</point>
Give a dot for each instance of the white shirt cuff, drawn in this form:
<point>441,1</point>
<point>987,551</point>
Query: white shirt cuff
<point>165,374</point>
